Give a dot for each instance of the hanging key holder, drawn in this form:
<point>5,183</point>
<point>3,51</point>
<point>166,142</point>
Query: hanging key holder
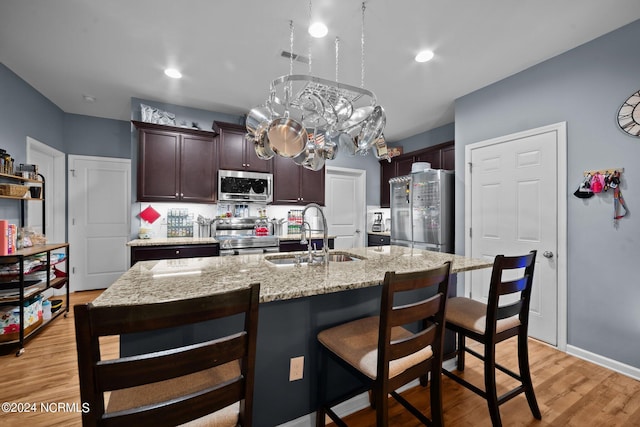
<point>601,180</point>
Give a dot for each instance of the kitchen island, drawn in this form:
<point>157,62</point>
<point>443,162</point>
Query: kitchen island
<point>296,303</point>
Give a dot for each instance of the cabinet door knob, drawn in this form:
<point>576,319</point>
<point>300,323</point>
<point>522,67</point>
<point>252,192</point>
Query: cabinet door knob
<point>177,194</point>
<point>248,165</point>
<point>181,194</point>
<point>177,252</point>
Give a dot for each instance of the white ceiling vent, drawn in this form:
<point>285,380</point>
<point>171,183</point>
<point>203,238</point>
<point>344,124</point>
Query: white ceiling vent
<point>296,57</point>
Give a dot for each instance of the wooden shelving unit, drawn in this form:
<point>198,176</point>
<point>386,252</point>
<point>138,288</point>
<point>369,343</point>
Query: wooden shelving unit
<point>18,269</point>
<point>23,285</point>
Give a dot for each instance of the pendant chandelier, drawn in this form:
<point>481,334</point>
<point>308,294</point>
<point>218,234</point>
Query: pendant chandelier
<point>309,119</point>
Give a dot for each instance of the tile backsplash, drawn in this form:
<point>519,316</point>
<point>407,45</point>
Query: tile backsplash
<point>159,227</point>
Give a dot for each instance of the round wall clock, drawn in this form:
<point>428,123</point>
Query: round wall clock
<point>629,115</point>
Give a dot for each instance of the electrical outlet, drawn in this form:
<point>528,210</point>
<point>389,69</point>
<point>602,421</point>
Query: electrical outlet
<point>296,368</point>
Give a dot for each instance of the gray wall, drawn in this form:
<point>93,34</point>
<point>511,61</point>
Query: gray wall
<point>584,87</point>
<point>429,138</point>
<point>25,112</point>
<point>93,136</point>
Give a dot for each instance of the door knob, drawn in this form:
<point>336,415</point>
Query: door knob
<point>358,231</point>
<point>547,254</point>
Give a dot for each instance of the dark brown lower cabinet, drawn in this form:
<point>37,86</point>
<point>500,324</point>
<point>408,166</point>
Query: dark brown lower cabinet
<point>146,253</point>
<point>378,240</point>
<point>294,245</point>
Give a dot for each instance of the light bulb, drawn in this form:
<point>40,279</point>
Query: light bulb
<point>424,56</point>
<point>173,73</point>
<point>318,30</point>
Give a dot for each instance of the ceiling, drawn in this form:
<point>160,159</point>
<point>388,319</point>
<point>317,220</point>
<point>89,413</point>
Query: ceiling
<point>230,50</point>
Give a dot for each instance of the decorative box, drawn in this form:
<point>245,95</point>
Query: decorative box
<point>10,319</point>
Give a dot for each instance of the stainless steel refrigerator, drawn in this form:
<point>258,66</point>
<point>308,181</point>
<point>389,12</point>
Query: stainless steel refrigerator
<point>422,210</point>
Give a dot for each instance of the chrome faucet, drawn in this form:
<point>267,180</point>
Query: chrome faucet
<point>325,235</point>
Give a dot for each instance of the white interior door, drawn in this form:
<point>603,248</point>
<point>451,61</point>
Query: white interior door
<point>514,209</point>
<point>99,205</point>
<point>51,164</point>
<point>345,206</point>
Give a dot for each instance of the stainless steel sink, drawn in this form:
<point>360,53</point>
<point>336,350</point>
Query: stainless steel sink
<point>286,261</point>
<point>342,258</point>
<point>283,260</point>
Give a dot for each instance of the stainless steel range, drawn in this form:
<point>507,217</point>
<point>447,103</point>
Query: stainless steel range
<point>237,237</point>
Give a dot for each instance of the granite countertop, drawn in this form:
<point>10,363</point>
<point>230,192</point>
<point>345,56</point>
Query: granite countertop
<point>164,241</point>
<point>158,281</point>
<point>287,237</point>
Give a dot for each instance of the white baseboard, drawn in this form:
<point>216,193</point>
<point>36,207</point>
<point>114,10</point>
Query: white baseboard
<point>605,362</point>
<point>354,404</point>
<point>361,401</point>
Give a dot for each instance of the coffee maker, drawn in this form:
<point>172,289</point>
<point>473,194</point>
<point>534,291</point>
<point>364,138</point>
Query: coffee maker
<point>377,222</point>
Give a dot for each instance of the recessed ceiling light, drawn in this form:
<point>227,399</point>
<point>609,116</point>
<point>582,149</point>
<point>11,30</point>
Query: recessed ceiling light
<point>88,98</point>
<point>318,30</point>
<point>424,56</point>
<point>173,73</point>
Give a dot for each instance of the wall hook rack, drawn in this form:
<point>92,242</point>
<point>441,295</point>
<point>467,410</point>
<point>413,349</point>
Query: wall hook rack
<point>608,171</point>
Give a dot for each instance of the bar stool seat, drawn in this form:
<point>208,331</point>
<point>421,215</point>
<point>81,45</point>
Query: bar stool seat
<point>472,315</point>
<point>162,391</point>
<point>357,344</point>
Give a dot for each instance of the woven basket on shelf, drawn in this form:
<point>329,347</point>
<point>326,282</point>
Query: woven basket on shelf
<point>13,190</point>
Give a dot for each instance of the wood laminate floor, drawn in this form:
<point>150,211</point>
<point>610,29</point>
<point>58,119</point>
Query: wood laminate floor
<point>570,391</point>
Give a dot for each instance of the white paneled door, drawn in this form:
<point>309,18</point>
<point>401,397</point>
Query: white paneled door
<point>513,210</point>
<point>99,206</point>
<point>345,206</point>
<point>51,165</point>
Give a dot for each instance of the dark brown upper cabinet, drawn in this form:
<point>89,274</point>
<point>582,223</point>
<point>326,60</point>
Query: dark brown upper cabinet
<point>176,164</point>
<point>295,185</point>
<point>236,152</point>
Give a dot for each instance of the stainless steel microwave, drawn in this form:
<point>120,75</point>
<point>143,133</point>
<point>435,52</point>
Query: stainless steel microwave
<point>240,186</point>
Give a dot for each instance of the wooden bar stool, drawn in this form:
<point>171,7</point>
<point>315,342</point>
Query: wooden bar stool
<point>386,355</point>
<point>209,383</point>
<point>495,322</point>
